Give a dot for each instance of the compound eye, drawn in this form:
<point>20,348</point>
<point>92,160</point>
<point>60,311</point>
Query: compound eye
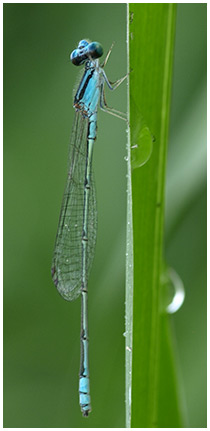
<point>75,58</point>
<point>95,50</point>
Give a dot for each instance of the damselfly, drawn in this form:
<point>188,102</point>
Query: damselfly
<point>76,235</point>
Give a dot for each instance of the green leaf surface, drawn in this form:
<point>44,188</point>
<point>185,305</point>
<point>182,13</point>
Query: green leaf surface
<point>151,42</point>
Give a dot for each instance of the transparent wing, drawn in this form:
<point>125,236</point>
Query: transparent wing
<point>67,259</point>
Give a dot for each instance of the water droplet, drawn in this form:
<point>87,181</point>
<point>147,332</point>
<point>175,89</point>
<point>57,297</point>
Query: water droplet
<point>131,17</point>
<point>173,292</point>
<point>126,158</point>
<point>141,138</point>
<point>128,349</point>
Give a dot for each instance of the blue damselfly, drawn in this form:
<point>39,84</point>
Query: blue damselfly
<point>76,235</point>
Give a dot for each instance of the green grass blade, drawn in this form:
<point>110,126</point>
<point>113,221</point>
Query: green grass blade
<point>151,41</point>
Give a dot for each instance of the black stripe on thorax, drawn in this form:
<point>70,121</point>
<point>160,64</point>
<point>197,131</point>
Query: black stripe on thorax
<point>81,92</point>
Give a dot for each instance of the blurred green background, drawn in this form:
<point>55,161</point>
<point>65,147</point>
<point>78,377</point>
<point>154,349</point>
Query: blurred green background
<point>41,330</point>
